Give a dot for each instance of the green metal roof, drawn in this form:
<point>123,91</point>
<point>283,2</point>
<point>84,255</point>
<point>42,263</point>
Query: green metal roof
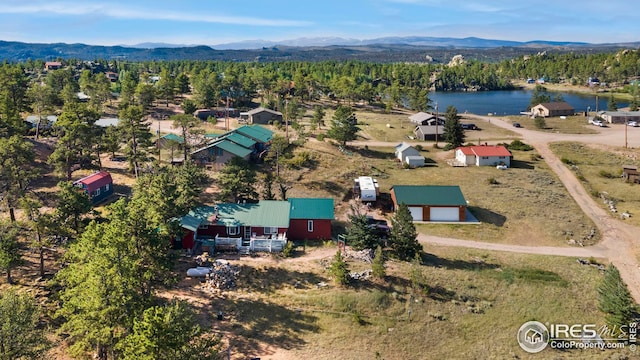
<point>255,132</point>
<point>233,148</point>
<point>212,136</point>
<point>241,140</point>
<point>197,216</point>
<point>190,222</point>
<point>173,137</point>
<point>264,213</point>
<point>429,195</point>
<point>311,208</point>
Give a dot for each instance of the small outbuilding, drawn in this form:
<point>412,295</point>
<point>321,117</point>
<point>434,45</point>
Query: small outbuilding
<point>261,116</point>
<point>630,173</point>
<point>431,202</point>
<point>423,118</point>
<point>428,132</point>
<point>97,186</point>
<point>409,155</point>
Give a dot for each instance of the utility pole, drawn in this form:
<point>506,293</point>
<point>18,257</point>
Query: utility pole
<point>437,121</point>
<point>286,117</point>
<point>626,125</point>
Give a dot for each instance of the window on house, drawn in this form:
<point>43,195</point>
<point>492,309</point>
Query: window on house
<point>106,187</point>
<point>310,225</point>
<point>232,230</point>
<point>203,226</point>
<point>501,157</point>
<point>97,191</point>
<point>485,157</point>
<point>270,230</point>
<point>219,152</point>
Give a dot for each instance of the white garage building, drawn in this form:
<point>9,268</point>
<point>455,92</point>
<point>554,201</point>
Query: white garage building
<point>431,202</point>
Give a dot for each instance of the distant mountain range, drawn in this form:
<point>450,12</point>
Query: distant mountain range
<point>386,49</point>
<point>469,42</point>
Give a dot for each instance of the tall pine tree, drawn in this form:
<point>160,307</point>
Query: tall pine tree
<point>404,238</point>
<point>453,131</point>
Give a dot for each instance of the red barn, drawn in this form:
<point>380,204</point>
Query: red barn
<point>310,218</point>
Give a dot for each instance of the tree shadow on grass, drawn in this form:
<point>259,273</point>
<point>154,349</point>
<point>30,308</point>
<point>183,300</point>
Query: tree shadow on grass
<point>331,187</point>
<point>256,323</point>
<point>487,216</point>
<point>457,264</point>
<point>269,279</point>
<point>374,154</point>
<point>521,164</point>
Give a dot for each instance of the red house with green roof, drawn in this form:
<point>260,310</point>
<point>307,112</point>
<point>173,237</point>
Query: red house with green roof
<point>310,218</point>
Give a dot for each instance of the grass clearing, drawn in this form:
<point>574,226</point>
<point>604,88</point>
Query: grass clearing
<point>576,124</point>
<point>474,297</point>
<point>599,169</point>
<point>525,204</point>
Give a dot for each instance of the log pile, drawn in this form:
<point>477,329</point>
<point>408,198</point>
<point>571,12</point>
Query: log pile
<point>222,276</point>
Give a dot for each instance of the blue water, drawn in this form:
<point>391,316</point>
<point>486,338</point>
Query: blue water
<point>510,102</point>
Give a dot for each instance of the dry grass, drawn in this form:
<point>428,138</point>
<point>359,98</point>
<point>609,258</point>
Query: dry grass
<point>571,125</point>
<point>599,169</point>
<point>528,206</point>
<point>470,304</point>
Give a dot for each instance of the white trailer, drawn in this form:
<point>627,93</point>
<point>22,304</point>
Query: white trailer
<point>367,188</point>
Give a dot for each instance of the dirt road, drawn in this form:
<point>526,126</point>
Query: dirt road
<point>620,241</point>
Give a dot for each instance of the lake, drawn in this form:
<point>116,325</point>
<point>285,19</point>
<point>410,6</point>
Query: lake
<point>509,102</point>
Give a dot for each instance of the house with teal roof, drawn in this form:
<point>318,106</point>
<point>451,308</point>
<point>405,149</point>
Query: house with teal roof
<point>266,225</point>
<point>433,203</point>
<point>247,142</point>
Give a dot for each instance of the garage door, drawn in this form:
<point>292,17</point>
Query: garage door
<point>416,213</point>
<point>444,214</point>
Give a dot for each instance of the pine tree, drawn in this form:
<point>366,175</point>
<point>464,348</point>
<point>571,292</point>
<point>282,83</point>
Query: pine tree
<point>10,256</point>
<point>404,238</point>
<point>377,266</point>
<point>453,131</point>
<point>20,335</point>
<point>615,299</point>
<point>343,125</point>
<point>237,180</point>
<point>359,234</point>
<point>339,269</point>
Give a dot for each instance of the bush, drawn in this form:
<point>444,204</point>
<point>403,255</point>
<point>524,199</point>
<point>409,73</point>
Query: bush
<point>320,137</point>
<point>287,251</point>
<point>419,148</point>
<point>492,181</point>
<point>540,122</point>
<point>568,161</point>
<point>519,145</point>
<point>536,157</point>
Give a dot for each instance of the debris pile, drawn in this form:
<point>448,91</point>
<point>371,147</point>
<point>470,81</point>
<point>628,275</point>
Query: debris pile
<point>608,201</point>
<point>362,275</point>
<point>222,276</point>
<point>594,264</point>
<point>365,255</point>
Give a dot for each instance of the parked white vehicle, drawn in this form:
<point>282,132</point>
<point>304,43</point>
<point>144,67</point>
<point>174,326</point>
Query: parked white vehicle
<point>632,123</point>
<point>596,122</point>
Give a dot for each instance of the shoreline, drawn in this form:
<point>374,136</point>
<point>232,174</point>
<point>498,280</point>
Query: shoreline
<point>577,89</point>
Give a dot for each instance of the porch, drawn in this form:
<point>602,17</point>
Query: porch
<point>256,243</point>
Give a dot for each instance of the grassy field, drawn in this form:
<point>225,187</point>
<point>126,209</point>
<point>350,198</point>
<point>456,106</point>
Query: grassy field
<point>571,125</point>
<point>599,168</point>
<point>459,304</point>
<point>525,205</point>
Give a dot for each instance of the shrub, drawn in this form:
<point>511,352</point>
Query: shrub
<point>492,181</point>
<point>287,251</point>
<point>568,161</point>
<point>540,122</point>
<point>419,148</point>
<point>519,145</point>
<point>320,137</point>
<point>535,157</point>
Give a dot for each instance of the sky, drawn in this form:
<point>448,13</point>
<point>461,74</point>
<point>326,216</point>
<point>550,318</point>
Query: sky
<point>211,22</point>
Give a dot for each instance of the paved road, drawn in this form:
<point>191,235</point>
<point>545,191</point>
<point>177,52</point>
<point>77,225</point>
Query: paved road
<point>620,241</point>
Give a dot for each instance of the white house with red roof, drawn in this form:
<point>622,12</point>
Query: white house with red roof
<point>483,155</point>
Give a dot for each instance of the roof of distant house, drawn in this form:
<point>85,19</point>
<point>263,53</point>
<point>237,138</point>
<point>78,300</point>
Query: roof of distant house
<point>261,109</point>
<point>557,105</point>
<point>106,122</point>
<point>257,132</point>
<point>433,195</point>
<point>231,147</point>
<point>173,137</point>
<point>312,208</point>
<point>485,150</point>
